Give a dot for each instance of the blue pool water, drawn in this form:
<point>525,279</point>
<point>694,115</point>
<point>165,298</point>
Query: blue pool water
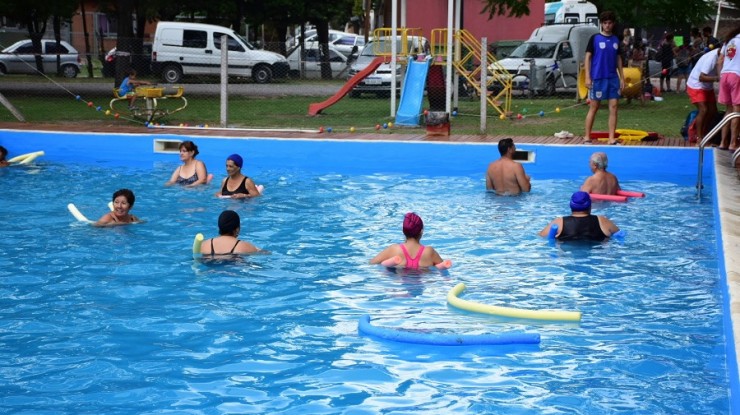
<point>125,321</point>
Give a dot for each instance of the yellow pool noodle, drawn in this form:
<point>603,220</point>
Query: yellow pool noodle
<point>453,300</point>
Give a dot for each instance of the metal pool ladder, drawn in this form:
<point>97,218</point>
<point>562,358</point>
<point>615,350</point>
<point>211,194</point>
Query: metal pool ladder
<point>717,128</point>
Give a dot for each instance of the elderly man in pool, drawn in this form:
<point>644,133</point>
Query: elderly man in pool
<point>581,225</point>
<point>505,176</point>
<point>601,182</point>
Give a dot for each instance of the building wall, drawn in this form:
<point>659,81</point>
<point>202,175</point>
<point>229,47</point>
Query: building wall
<point>434,16</point>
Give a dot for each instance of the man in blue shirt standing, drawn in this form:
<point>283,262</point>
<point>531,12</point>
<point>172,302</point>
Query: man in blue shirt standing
<point>604,77</point>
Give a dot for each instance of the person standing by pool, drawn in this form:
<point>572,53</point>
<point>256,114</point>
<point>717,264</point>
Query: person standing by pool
<point>123,202</point>
<point>236,185</point>
<point>604,77</point>
<point>3,154</point>
<point>411,254</point>
<point>700,89</point>
<point>229,226</point>
<point>192,172</point>
<point>581,225</point>
<point>601,182</point>
<point>505,176</point>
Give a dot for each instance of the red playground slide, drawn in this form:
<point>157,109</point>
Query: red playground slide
<point>315,108</point>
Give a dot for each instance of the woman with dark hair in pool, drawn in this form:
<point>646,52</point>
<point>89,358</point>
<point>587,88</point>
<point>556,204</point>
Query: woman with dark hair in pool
<point>123,202</point>
<point>192,172</point>
<point>411,254</point>
<point>227,242</point>
<point>3,154</point>
<point>236,185</point>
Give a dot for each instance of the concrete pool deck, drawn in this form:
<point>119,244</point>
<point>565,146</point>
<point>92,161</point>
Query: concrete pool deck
<point>727,177</point>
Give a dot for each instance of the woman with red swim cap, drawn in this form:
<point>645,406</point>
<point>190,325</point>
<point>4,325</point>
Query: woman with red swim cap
<point>411,254</point>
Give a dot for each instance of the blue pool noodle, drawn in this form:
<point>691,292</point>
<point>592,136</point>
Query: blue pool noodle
<point>441,339</point>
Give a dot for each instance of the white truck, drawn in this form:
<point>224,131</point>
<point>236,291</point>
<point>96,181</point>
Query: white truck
<point>549,60</point>
<point>571,12</point>
<point>182,48</point>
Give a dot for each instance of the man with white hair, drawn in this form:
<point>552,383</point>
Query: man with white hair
<point>601,182</point>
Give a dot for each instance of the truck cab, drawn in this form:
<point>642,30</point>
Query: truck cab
<point>549,59</point>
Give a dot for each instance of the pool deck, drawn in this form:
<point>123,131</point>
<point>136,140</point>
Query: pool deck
<point>727,177</point>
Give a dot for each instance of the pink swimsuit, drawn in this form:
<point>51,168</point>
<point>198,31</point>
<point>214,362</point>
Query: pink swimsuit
<point>412,263</point>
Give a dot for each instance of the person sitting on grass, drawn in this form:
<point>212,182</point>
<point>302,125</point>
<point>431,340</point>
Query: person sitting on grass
<point>123,202</point>
<point>128,88</point>
<point>411,254</point>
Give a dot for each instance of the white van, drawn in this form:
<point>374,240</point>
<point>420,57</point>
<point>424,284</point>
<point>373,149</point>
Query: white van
<point>182,48</point>
<point>556,51</point>
<point>571,12</point>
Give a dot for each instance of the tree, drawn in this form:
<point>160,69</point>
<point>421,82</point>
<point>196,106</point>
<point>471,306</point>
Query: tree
<point>510,8</point>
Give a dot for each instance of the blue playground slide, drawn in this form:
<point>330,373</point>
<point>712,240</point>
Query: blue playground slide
<point>412,95</point>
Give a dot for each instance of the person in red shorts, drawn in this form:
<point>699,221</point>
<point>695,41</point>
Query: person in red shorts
<point>700,89</point>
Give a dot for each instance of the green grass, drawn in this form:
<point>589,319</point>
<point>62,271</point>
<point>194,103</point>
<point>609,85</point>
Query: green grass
<point>363,114</point>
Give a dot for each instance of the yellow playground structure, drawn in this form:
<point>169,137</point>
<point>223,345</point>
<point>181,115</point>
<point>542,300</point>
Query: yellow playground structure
<point>157,102</point>
<point>466,60</point>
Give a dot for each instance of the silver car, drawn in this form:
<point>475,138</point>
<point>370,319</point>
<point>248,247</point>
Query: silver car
<point>379,82</point>
<point>19,58</point>
<point>312,62</point>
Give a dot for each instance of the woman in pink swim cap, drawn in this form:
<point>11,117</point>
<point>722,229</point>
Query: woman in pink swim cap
<point>411,254</point>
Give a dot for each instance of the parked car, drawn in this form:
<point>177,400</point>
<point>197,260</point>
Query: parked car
<point>186,49</point>
<point>312,62</point>
<point>379,82</point>
<point>344,42</point>
<point>19,58</point>
<point>141,63</point>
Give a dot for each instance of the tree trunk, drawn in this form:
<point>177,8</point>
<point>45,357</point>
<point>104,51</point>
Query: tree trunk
<point>36,31</point>
<point>88,55</point>
<point>322,30</point>
<point>124,43</point>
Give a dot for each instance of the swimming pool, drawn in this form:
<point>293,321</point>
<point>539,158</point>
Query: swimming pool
<point>123,320</point>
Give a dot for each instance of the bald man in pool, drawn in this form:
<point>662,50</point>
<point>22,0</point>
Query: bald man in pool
<point>505,176</point>
<point>601,182</point>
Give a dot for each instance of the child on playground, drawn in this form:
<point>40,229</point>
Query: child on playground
<point>128,88</point>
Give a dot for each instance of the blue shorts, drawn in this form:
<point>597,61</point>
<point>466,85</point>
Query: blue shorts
<point>604,89</point>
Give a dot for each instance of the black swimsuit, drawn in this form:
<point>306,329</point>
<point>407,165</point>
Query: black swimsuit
<point>241,189</point>
<point>577,228</point>
<point>213,253</point>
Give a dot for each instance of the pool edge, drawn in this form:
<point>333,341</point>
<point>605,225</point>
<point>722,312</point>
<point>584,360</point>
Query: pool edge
<point>728,211</point>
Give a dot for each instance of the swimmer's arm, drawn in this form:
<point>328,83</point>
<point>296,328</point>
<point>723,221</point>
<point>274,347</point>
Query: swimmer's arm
<point>522,179</point>
<point>252,189</point>
<point>489,181</point>
<point>205,246</point>
<point>436,258</point>
<point>587,186</point>
<point>607,226</point>
<point>546,231</point>
<point>173,178</point>
<point>385,254</point>
<point>245,247</point>
<point>223,182</point>
<point>105,220</point>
